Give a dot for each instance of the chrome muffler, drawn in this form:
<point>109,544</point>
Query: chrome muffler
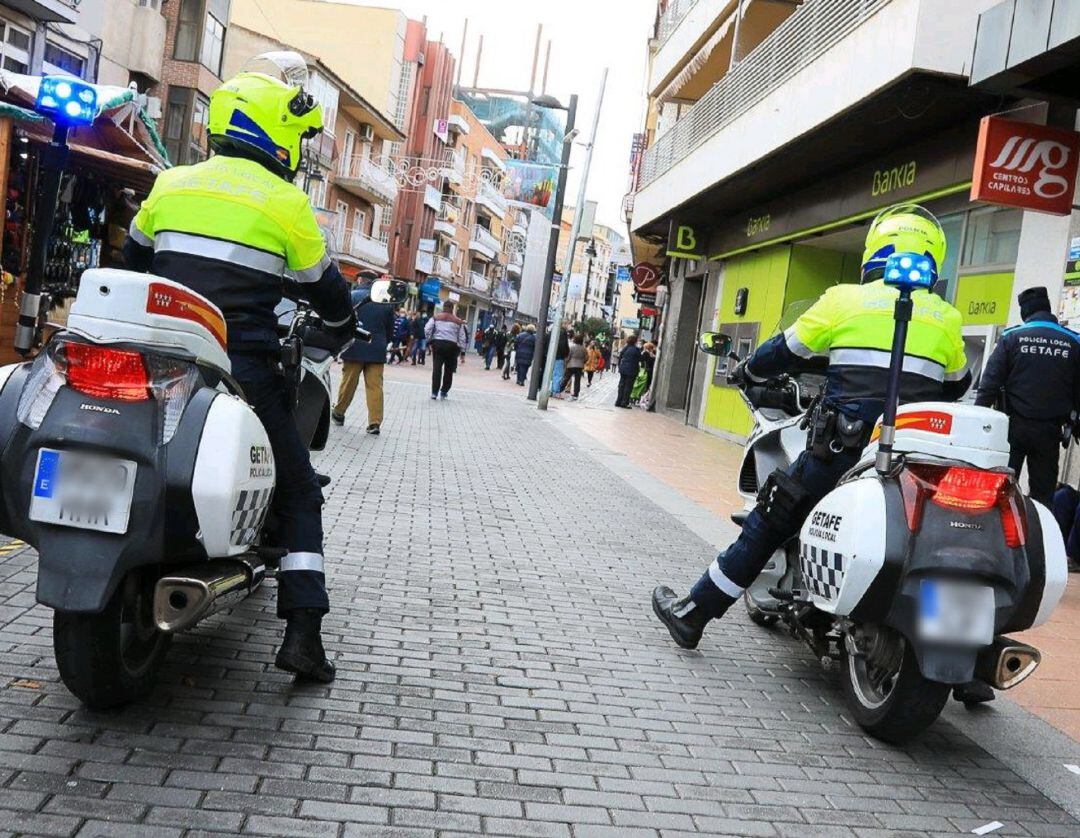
<point>186,598</point>
<point>1006,662</point>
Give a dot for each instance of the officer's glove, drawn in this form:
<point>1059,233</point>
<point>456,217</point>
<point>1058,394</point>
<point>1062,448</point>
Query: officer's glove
<point>739,376</point>
<point>333,339</point>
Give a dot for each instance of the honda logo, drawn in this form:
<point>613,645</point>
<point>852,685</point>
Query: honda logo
<point>1023,165</point>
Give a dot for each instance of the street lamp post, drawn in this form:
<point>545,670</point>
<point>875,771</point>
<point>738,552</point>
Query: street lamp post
<point>537,370</point>
<point>575,231</point>
<point>590,251</point>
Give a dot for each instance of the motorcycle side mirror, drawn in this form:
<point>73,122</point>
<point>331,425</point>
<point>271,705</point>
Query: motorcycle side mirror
<point>393,291</point>
<point>715,343</point>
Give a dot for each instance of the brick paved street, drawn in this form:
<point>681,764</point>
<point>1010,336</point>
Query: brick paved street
<point>500,673</point>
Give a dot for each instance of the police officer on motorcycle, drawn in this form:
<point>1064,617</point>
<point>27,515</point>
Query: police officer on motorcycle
<point>229,228</point>
<point>1034,374</point>
<point>852,327</point>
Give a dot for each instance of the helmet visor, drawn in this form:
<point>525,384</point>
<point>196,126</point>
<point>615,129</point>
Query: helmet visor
<point>284,65</point>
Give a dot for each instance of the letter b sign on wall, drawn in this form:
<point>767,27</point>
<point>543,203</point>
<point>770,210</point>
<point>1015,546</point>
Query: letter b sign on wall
<point>1028,166</point>
<point>684,242</point>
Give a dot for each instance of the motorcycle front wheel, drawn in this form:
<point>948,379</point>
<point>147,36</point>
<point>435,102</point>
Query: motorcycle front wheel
<point>893,703</point>
<point>111,658</point>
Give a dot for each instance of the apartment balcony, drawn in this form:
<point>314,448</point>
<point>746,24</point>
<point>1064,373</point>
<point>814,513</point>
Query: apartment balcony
<point>515,261</point>
<point>479,282</point>
<point>443,268</point>
<point>454,169</point>
<point>364,178</point>
<point>148,30</point>
<point>367,250</point>
<point>491,199</point>
<point>520,227</point>
<point>47,11</point>
<point>827,58</point>
<point>447,220</point>
<point>484,244</point>
<point>458,124</point>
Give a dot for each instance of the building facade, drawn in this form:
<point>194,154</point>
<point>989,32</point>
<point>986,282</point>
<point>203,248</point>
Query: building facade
<point>777,131</point>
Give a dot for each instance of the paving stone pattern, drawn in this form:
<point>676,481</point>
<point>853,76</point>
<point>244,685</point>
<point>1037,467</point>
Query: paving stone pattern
<point>500,673</point>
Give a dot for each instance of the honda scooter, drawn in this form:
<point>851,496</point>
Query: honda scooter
<point>130,460</point>
<point>912,570</point>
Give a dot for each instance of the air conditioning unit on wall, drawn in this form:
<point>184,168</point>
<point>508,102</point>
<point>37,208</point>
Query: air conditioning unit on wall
<point>367,133</point>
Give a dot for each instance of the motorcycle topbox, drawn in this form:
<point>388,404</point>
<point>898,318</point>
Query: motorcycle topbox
<point>121,445</point>
<point>871,545</point>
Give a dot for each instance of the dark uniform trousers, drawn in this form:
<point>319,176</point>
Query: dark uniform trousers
<point>1037,442</point>
<point>744,560</point>
<point>298,500</point>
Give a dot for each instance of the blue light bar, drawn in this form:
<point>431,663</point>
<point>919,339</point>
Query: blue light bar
<point>910,270</point>
<point>66,100</point>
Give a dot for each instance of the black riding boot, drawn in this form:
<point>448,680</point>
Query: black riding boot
<point>301,651</point>
<point>685,620</point>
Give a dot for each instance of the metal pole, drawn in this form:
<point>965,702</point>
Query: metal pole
<point>579,211</point>
<point>50,172</point>
<point>553,245</point>
<point>902,316</point>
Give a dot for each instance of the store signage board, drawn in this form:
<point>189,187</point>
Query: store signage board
<point>646,277</point>
<point>684,242</point>
<point>630,323</point>
<point>645,299</point>
<point>1019,164</point>
<point>941,164</point>
<point>622,273</point>
<point>984,299</point>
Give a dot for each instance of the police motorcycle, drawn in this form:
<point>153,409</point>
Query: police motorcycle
<point>130,460</point>
<point>912,571</point>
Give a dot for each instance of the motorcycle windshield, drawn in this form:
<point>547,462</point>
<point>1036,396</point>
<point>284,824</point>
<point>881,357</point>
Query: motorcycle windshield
<point>792,312</point>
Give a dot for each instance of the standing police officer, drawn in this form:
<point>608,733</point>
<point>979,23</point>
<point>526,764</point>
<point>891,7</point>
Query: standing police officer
<point>1035,371</point>
<point>229,228</point>
<point>851,326</point>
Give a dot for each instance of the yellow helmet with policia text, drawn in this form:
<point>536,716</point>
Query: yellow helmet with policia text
<point>904,228</point>
<point>266,116</point>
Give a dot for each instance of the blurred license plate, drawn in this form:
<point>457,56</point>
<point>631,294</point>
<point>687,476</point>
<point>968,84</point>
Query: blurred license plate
<point>956,612</point>
<point>87,491</point>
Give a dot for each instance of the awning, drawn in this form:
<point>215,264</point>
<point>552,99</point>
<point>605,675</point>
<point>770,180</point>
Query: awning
<point>695,64</point>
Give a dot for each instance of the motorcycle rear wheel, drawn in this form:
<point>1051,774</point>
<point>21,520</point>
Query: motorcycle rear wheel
<point>895,706</point>
<point>111,658</point>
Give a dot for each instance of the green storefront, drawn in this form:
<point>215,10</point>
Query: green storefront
<point>777,258</point>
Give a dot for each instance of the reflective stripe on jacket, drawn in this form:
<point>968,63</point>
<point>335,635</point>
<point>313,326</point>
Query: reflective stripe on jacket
<point>852,326</point>
<point>229,229</point>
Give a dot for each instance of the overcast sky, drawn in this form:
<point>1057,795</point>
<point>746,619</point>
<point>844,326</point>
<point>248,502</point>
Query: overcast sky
<point>586,35</point>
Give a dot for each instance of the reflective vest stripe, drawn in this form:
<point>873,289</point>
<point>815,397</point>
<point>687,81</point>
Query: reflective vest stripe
<point>797,347</point>
<point>221,251</point>
<point>880,359</point>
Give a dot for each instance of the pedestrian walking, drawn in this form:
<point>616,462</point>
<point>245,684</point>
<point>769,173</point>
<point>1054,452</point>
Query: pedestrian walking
<point>593,360</point>
<point>605,357</point>
<point>491,333</point>
<point>418,351</point>
<point>511,341</point>
<point>524,350</point>
<point>629,364</point>
<point>400,337</point>
<point>575,366</point>
<point>1034,374</point>
<point>644,377</point>
<point>501,338</point>
<point>367,359</point>
<point>561,352</point>
<point>448,337</point>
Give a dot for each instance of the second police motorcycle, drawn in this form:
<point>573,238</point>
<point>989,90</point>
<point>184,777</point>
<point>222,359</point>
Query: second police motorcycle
<point>912,571</point>
<point>130,459</point>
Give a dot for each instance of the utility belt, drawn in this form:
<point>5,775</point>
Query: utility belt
<point>832,432</point>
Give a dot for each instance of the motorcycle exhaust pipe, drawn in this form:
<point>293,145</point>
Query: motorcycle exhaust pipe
<point>187,598</point>
<point>1006,662</point>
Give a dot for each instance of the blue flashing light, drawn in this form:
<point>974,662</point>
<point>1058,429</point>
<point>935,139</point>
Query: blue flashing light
<point>910,270</point>
<point>67,101</point>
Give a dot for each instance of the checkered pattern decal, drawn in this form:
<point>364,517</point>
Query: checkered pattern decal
<point>249,514</point>
<point>823,571</point>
